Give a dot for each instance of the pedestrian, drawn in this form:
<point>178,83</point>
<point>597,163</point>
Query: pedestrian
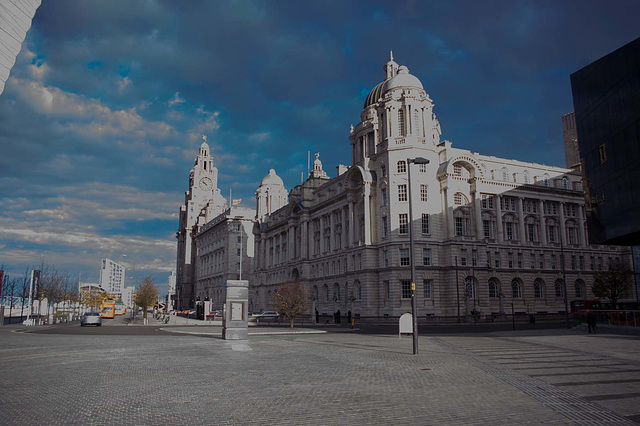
<point>349,317</point>
<point>338,314</point>
<point>317,316</point>
<point>591,322</point>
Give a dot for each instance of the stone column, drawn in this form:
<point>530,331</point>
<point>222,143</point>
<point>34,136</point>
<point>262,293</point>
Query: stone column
<point>563,230</point>
<point>521,220</point>
<point>448,212</point>
<point>477,200</point>
<point>367,214</point>
<point>344,228</point>
<point>304,237</point>
<point>351,230</point>
<point>332,234</point>
<point>499,218</point>
<point>542,227</point>
<point>291,250</point>
<point>583,236</point>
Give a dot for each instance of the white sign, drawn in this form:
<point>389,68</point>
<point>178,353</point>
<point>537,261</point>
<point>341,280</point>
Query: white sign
<point>236,311</point>
<point>406,324</point>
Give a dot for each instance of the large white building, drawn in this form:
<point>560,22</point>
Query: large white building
<point>488,231</point>
<point>203,202</point>
<point>15,19</point>
<point>112,277</point>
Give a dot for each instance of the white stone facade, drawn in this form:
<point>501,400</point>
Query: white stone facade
<point>112,277</point>
<point>224,251</point>
<point>203,202</point>
<point>504,222</point>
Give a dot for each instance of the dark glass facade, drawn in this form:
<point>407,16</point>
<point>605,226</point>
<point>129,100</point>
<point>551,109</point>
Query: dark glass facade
<point>606,99</point>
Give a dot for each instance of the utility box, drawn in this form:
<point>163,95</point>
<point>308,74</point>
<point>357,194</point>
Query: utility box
<point>235,321</point>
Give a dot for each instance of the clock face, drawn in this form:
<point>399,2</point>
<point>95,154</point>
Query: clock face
<point>206,184</point>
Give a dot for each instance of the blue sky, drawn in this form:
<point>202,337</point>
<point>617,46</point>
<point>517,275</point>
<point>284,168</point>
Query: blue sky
<point>106,105</point>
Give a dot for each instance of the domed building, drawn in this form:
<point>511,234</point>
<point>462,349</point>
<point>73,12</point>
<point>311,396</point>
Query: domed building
<point>488,232</point>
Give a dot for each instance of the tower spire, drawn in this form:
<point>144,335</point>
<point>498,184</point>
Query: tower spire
<point>391,55</point>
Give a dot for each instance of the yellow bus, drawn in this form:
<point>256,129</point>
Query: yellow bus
<point>108,309</point>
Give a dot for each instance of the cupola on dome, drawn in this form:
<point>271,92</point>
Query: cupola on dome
<point>396,77</point>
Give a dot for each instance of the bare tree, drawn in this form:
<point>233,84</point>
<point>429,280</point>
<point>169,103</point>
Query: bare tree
<point>147,295</point>
<point>292,300</point>
<point>24,282</point>
<point>613,284</point>
<point>11,287</point>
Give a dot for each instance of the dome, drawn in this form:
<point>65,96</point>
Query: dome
<point>399,78</point>
<point>272,179</point>
<point>402,79</point>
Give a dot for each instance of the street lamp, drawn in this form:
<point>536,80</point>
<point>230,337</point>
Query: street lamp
<point>414,307</point>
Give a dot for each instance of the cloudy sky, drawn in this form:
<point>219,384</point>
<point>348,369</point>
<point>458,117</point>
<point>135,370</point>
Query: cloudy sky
<point>106,105</point>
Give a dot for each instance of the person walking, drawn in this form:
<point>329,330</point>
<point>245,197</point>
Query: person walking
<point>317,316</point>
<point>338,314</point>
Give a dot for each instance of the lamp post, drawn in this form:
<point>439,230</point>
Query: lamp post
<point>414,308</point>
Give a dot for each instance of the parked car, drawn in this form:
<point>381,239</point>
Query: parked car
<point>91,318</point>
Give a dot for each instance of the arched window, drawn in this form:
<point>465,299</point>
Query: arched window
<point>559,287</point>
<point>315,292</point>
<point>546,180</point>
<point>459,199</point>
<point>579,289</point>
<point>457,169</point>
<point>565,183</point>
<point>470,287</point>
<point>538,289</point>
<point>505,176</point>
<point>336,292</point>
<point>516,289</point>
<point>401,128</point>
<point>527,178</point>
<point>494,290</point>
<point>402,166</point>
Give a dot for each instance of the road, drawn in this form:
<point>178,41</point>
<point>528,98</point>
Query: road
<point>503,377</point>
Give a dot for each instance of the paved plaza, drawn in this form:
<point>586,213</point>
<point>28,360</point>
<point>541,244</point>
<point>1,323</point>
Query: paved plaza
<point>151,376</point>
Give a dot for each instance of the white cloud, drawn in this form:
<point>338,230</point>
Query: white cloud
<point>175,100</point>
<point>260,137</point>
<point>123,84</point>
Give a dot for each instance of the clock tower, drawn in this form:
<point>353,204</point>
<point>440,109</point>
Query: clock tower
<point>203,199</point>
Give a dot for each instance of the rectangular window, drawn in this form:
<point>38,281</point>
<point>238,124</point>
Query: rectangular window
<point>403,227</point>
<point>531,231</point>
<point>497,259</point>
<point>533,260</point>
<point>385,226</point>
<point>490,202</point>
<point>542,261</point>
<point>572,236</point>
<point>239,239</point>
<point>602,152</point>
<point>383,170</point>
<point>404,257</point>
<point>422,168</point>
<point>574,263</point>
<point>592,263</point>
<point>402,192</point>
<point>599,263</point>
<point>423,192</point>
<point>582,263</point>
<point>488,259</point>
<point>474,257</point>
<point>486,226</point>
<point>484,201</point>
<point>427,284</point>
<point>553,261</point>
<point>552,234</point>
<point>383,194</point>
<point>425,223</point>
<point>510,260</point>
<point>386,258</point>
<point>406,289</point>
<point>426,257</point>
<point>459,228</point>
<point>509,229</point>
<point>519,260</point>
<point>463,257</point>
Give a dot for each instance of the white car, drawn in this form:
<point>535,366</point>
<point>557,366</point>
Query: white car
<point>91,318</point>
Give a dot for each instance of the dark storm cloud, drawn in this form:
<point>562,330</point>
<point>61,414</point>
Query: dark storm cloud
<point>116,95</point>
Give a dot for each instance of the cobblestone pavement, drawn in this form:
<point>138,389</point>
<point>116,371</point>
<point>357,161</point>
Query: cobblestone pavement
<point>550,377</point>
